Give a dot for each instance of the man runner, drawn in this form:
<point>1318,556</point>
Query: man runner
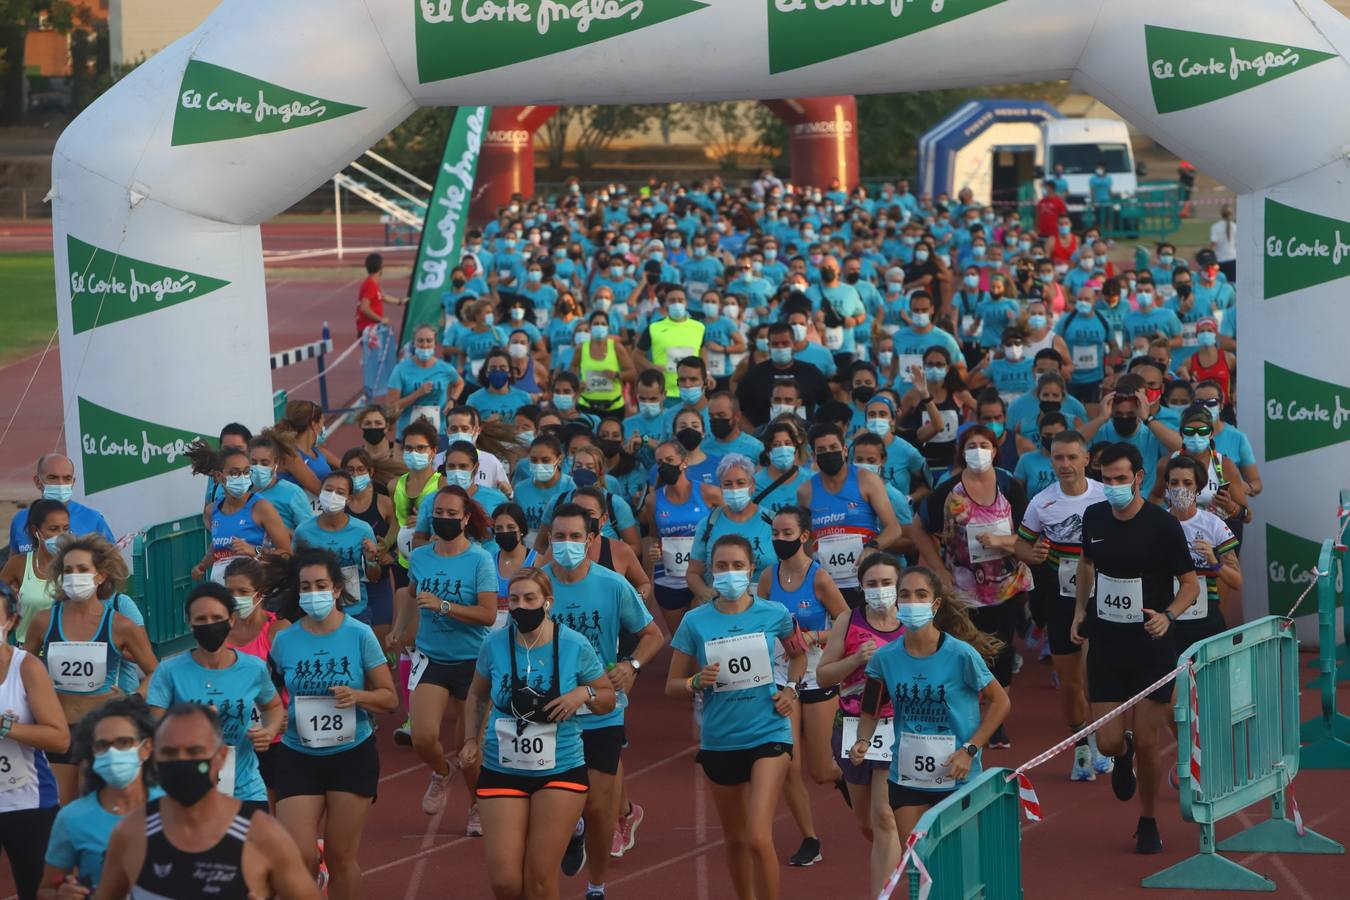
<point>1131,552</point>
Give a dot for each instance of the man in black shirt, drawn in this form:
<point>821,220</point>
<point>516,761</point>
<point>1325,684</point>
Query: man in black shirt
<point>756,387</point>
<point>1133,554</point>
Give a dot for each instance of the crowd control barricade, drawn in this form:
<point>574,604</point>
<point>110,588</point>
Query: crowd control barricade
<point>1328,733</point>
<point>1342,656</point>
<point>971,843</point>
<point>162,561</point>
<point>1245,750</point>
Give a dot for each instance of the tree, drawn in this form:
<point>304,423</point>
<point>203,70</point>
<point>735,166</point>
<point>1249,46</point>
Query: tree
<point>601,126</point>
<point>554,139</point>
<point>17,18</point>
<point>726,130</point>
<point>418,143</point>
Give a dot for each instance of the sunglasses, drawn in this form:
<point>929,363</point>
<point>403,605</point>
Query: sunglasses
<point>1197,430</point>
<point>1212,404</point>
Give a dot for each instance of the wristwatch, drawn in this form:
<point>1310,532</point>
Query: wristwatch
<point>590,691</point>
<point>971,750</point>
<point>637,666</point>
<point>445,607</point>
<point>1170,617</point>
<point>795,689</point>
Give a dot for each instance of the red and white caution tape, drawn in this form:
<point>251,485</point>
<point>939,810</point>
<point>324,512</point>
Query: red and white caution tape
<point>1293,807</point>
<point>1026,795</point>
<point>925,880</point>
<point>1195,729</point>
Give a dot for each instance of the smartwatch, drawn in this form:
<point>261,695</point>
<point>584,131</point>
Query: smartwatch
<point>971,750</point>
<point>1170,617</point>
<point>797,691</point>
<point>445,607</point>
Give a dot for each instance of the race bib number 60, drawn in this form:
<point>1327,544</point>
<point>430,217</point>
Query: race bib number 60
<point>744,661</point>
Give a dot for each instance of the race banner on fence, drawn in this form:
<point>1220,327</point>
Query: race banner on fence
<point>447,217</point>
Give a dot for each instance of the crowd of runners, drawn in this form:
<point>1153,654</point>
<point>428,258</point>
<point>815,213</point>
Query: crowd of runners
<point>856,457</point>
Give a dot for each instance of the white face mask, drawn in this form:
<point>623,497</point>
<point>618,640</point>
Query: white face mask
<point>879,599</point>
<point>979,459</point>
<point>79,585</point>
<point>781,409</point>
<point>332,502</point>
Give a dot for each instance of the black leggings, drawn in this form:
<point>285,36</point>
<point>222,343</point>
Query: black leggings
<point>999,621</point>
<point>23,838</point>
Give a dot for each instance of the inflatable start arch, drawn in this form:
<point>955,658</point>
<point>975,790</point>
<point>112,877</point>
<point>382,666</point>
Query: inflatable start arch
<point>159,187</point>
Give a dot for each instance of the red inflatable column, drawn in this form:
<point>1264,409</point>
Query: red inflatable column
<point>823,139</point>
<point>506,161</point>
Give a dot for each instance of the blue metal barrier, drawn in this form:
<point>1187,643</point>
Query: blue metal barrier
<point>972,842</point>
<point>1247,689</point>
<point>1327,734</point>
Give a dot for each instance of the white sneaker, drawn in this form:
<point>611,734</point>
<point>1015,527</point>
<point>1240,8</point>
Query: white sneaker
<point>474,826</point>
<point>1102,765</point>
<point>433,801</point>
<point>1082,765</point>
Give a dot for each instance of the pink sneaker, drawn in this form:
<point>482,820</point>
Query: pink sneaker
<point>433,801</point>
<point>625,834</point>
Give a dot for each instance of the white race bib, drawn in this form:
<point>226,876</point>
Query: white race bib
<point>907,361</point>
<point>1120,599</point>
<point>879,748</point>
<point>951,421</point>
<point>717,365</point>
<point>430,412</point>
<point>541,316</point>
<point>218,568</point>
<point>351,581</point>
<point>78,667</point>
<point>970,327</point>
<point>225,780</point>
<point>675,553</point>
<point>419,666</point>
<point>14,772</point>
<point>675,354</point>
<point>405,536</point>
<point>744,661</point>
<point>889,328</point>
<point>840,554</point>
<point>1200,608</point>
<point>1188,334</point>
<point>834,338</point>
<point>320,723</point>
<point>922,757</point>
<point>1068,578</point>
<point>695,290</point>
<point>533,749</point>
<point>978,552</point>
<point>1086,356</point>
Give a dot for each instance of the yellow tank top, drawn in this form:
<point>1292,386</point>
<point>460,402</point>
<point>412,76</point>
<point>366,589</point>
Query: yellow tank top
<point>671,342</point>
<point>405,512</point>
<point>595,387</point>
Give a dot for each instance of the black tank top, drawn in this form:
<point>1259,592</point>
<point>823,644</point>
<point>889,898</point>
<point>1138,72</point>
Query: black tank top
<point>170,874</point>
<point>372,516</point>
<point>606,554</point>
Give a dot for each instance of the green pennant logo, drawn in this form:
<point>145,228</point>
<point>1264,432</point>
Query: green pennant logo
<point>1291,562</point>
<point>1303,413</point>
<point>805,32</point>
<point>1303,249</point>
<point>1190,68</point>
<point>117,449</point>
<point>220,104</point>
<point>461,37</point>
<point>106,287</point>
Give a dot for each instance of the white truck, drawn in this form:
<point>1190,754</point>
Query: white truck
<point>1080,145</point>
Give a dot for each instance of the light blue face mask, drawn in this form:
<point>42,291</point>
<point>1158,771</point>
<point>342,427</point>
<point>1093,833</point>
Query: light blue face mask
<point>914,615</point>
<point>921,320</point>
<point>569,554</point>
<point>564,402</point>
<point>869,467</point>
<point>782,458</point>
<point>762,345</point>
<point>424,353</point>
<point>780,355</point>
<point>317,604</point>
<point>935,373</point>
<point>542,472</point>
<point>1206,339</point>
<point>118,768</point>
<point>416,462</point>
<point>1195,443</point>
<point>459,478</point>
<point>261,476</point>
<point>1084,307</point>
<point>61,493</point>
<point>526,437</point>
<point>360,483</point>
<point>736,499</point>
<point>651,410</point>
<point>677,310</point>
<point>1119,495</point>
<point>731,585</point>
<point>691,394</point>
<point>1036,322</point>
<point>881,427</point>
<point>52,543</point>
<point>238,485</point>
<point>456,436</point>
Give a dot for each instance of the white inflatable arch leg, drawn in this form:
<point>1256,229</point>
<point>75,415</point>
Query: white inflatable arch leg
<point>159,187</point>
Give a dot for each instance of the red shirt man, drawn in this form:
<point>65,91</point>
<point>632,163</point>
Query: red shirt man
<point>1048,210</point>
<point>370,299</point>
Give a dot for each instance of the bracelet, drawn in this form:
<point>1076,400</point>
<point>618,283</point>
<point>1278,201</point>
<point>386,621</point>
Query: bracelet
<point>6,723</point>
<point>695,682</point>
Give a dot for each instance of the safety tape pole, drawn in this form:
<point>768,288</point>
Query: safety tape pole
<point>1317,573</point>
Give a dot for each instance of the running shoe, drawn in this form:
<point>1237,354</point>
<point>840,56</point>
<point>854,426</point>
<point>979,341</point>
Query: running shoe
<point>574,858</point>
<point>433,801</point>
<point>595,895</point>
<point>1146,837</point>
<point>322,880</point>
<point>1102,764</point>
<point>1017,662</point>
<point>625,833</point>
<point>808,854</point>
<point>473,827</point>
<point>1082,765</point>
<point>1122,777</point>
<point>403,734</point>
<point>1000,740</point>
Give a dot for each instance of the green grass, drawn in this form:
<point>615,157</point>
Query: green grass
<point>29,306</point>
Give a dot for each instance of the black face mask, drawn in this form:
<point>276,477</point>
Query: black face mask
<point>211,635</point>
<point>689,438</point>
<point>373,435</point>
<point>1183,290</point>
<point>863,393</point>
<point>609,448</point>
<point>1049,406</point>
<point>447,529</point>
<point>457,282</point>
<point>853,277</point>
<point>1125,425</point>
<point>1046,441</point>
<point>186,781</point>
<point>828,275</point>
<point>653,277</point>
<point>584,477</point>
<point>667,474</point>
<point>528,620</point>
<point>786,549</point>
<point>831,463</point>
<point>508,540</point>
<point>720,428</point>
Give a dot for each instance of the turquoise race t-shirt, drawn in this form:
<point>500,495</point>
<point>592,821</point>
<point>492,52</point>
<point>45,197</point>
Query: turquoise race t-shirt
<point>310,665</point>
<point>458,579</point>
<point>79,837</point>
<point>346,545</point>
